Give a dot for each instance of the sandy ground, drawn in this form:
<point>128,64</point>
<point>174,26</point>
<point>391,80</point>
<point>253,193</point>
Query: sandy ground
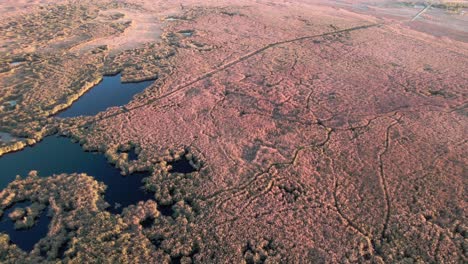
<point>144,28</point>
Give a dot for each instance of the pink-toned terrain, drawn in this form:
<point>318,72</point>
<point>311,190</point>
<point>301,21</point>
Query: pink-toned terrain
<point>325,133</point>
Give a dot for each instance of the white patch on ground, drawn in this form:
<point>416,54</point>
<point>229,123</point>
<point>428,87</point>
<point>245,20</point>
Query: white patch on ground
<point>144,28</point>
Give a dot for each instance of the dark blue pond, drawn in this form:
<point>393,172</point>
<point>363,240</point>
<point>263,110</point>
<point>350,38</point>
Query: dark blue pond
<point>109,92</point>
<point>55,155</point>
<point>25,238</point>
<point>181,166</point>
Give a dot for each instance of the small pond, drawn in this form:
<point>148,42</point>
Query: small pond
<point>55,155</point>
<point>181,166</point>
<point>186,33</point>
<point>16,63</point>
<point>109,92</point>
<point>25,238</point>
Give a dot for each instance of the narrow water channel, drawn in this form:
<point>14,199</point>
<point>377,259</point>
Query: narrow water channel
<point>109,92</point>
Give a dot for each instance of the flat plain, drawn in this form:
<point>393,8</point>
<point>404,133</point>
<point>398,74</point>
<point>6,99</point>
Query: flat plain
<point>273,131</point>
